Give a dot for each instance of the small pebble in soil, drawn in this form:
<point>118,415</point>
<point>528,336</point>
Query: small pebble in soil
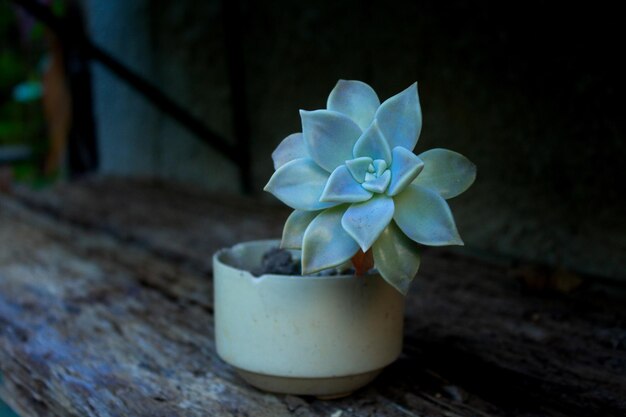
<point>277,261</point>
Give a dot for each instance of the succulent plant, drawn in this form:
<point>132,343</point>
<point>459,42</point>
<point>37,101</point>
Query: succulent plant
<point>357,189</point>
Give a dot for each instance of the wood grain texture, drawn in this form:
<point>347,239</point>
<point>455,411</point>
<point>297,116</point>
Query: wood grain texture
<point>183,224</point>
<point>106,310</point>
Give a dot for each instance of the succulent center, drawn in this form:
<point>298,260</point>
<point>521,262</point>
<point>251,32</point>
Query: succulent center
<point>377,177</point>
<point>373,174</point>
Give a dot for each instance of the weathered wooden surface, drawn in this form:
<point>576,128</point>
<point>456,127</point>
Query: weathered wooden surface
<point>181,224</point>
<point>106,310</point>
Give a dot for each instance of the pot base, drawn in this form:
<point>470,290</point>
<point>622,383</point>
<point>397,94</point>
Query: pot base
<point>322,388</point>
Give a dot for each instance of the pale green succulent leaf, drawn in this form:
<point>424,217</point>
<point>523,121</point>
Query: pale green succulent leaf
<point>446,171</point>
<point>356,100</point>
<point>299,184</point>
<point>343,188</point>
<point>292,147</point>
<point>425,217</point>
<point>380,166</point>
<point>330,137</point>
<point>378,185</point>
<point>372,143</point>
<point>404,169</point>
<point>400,118</point>
<point>366,221</point>
<point>294,228</point>
<point>358,167</point>
<point>396,257</point>
<point>326,244</point>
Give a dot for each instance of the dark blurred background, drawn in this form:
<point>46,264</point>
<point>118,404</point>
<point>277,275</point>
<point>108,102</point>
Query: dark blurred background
<point>531,92</point>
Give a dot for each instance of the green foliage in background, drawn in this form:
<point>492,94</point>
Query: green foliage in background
<point>22,56</point>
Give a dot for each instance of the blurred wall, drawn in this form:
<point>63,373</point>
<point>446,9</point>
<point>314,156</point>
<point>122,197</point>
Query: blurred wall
<point>529,92</point>
<point>178,47</point>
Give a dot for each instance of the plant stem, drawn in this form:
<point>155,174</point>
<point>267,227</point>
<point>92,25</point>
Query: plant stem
<point>363,262</point>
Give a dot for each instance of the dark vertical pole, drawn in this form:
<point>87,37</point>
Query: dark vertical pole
<point>231,17</point>
<point>82,151</point>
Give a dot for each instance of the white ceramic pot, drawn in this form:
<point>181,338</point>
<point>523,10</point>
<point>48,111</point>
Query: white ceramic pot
<point>324,336</point>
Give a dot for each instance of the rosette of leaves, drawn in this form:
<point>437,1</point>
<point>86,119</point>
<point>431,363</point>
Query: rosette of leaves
<point>359,192</point>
